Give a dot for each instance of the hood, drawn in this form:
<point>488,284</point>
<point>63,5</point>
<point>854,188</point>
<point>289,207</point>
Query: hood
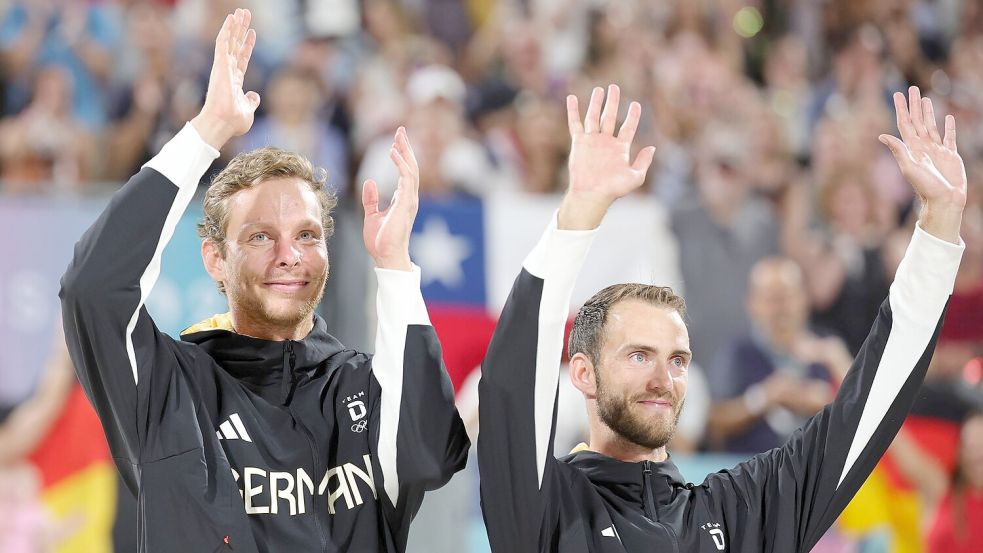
<point>269,368</point>
<point>627,480</point>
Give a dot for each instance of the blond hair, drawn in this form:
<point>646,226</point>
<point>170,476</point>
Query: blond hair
<point>249,169</point>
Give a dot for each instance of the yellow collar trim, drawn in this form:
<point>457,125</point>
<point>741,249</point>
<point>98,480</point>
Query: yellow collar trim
<point>222,321</point>
<point>580,447</point>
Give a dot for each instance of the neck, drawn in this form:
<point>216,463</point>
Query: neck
<point>268,330</point>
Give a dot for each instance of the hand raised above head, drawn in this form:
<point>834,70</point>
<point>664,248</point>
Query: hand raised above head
<point>228,111</point>
<point>601,169</point>
<point>930,162</point>
<point>387,232</point>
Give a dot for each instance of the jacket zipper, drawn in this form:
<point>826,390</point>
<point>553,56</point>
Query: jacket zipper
<point>288,353</point>
<point>648,498</point>
<point>649,504</point>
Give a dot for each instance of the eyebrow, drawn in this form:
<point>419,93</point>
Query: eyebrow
<point>305,223</point>
<point>642,347</point>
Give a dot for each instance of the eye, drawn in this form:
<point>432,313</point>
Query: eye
<point>678,361</point>
<point>259,237</point>
<point>308,236</point>
<point>638,357</point>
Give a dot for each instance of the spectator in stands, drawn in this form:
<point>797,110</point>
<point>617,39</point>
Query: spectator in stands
<point>295,100</point>
<point>778,375</point>
<point>722,233</point>
<point>45,143</point>
<point>451,162</point>
<point>79,37</point>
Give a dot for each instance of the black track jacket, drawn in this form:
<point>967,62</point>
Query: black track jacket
<point>781,501</point>
<point>238,444</point>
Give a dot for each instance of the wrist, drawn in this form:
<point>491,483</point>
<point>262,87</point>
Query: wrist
<point>395,263</point>
<point>213,130</point>
<point>942,220</point>
<point>582,212</point>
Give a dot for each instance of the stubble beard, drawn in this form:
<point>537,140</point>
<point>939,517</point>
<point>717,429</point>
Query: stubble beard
<point>257,308</point>
<point>618,413</point>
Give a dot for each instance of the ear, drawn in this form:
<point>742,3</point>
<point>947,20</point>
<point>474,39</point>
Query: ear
<point>582,375</point>
<point>211,256</point>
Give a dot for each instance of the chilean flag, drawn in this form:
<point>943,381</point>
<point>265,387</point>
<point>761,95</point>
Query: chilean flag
<point>470,251</point>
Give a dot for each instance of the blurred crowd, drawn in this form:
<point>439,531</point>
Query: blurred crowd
<point>790,217</point>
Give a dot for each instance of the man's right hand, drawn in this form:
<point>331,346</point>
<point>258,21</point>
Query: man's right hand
<point>228,111</point>
<point>601,170</point>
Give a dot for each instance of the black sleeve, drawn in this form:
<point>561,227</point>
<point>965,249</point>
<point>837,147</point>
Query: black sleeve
<point>124,362</point>
<point>421,438</point>
<point>517,398</point>
<point>788,497</point>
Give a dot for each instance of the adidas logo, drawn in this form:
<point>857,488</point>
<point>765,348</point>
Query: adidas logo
<point>232,429</point>
<point>610,532</point>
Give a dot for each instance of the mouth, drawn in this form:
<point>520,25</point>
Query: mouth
<point>656,404</point>
<point>286,286</point>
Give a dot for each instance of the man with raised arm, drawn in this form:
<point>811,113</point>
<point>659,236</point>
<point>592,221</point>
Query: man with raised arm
<point>259,431</point>
<point>630,350</point>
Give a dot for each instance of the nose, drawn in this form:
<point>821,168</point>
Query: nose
<point>287,254</point>
<point>661,379</point>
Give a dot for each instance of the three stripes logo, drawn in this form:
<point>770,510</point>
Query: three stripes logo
<point>611,532</point>
<point>232,429</point>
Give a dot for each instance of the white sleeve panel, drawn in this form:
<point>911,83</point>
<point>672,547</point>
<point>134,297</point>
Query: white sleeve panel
<point>556,259</point>
<point>921,288</point>
<point>399,303</point>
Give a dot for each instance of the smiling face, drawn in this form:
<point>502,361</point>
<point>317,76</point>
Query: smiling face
<point>641,375</point>
<point>275,261</point>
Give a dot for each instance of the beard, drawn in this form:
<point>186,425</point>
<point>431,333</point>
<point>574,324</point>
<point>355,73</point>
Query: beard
<point>620,414</point>
<point>268,310</point>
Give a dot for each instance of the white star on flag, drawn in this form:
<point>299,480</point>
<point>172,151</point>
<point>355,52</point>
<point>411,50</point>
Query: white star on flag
<point>439,253</point>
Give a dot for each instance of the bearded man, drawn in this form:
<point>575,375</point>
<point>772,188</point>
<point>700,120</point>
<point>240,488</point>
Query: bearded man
<point>260,431</point>
<point>629,353</point>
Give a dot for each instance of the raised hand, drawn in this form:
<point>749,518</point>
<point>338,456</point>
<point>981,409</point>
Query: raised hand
<point>228,111</point>
<point>387,233</point>
<point>931,163</point>
<point>601,169</point>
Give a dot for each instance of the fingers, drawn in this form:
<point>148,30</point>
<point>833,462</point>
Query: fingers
<point>609,117</point>
<point>898,148</point>
<point>930,124</point>
<point>222,40</point>
<point>370,197</point>
<point>405,150</point>
<point>915,108</point>
<point>247,50</point>
<point>405,170</point>
<point>573,116</point>
<point>592,121</point>
<point>644,159</point>
<point>630,125</point>
<point>253,99</point>
<point>904,119</point>
<point>949,141</point>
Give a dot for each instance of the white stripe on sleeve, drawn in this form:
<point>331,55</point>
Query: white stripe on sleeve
<point>183,161</point>
<point>557,260</point>
<point>399,303</point>
<point>923,284</point>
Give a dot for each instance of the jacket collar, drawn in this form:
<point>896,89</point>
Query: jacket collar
<point>602,469</point>
<point>262,364</point>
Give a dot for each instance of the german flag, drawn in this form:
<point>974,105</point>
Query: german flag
<point>78,478</point>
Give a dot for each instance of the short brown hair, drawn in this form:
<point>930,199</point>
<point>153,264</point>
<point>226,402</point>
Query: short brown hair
<point>248,169</point>
<point>587,335</point>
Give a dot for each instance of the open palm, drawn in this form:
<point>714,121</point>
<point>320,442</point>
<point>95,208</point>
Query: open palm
<point>225,99</point>
<point>930,162</point>
<point>387,232</point>
<point>600,163</point>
